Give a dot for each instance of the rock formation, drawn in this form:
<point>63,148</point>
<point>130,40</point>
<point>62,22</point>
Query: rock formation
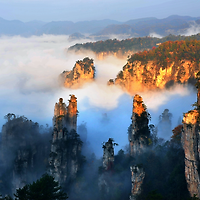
<point>65,156</point>
<point>65,116</point>
<point>164,126</point>
<point>137,76</point>
<point>138,132</point>
<point>82,72</point>
<point>169,63</point>
<point>22,151</point>
<point>137,177</point>
<point>191,144</point>
<point>108,154</point>
<point>105,182</point>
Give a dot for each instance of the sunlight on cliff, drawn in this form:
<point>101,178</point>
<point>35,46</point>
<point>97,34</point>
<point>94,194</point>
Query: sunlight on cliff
<point>138,106</point>
<point>191,117</point>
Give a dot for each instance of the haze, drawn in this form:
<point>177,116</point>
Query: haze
<point>29,86</point>
<point>79,10</point>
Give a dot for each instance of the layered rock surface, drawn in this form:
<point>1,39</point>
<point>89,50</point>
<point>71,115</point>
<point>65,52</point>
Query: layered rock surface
<point>82,72</point>
<point>22,151</point>
<point>137,76</point>
<point>138,132</point>
<point>190,140</point>
<point>65,156</point>
<point>191,144</point>
<point>108,155</point>
<point>137,177</point>
<point>169,63</point>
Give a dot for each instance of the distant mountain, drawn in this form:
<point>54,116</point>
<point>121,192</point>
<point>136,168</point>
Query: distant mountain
<point>68,27</point>
<point>100,29</point>
<point>143,27</point>
<point>16,27</point>
<point>34,25</point>
<point>13,27</point>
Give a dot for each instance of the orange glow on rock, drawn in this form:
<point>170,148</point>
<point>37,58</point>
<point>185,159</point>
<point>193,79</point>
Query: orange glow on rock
<point>191,117</point>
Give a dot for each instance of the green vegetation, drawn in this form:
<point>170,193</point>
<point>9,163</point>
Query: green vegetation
<point>132,44</point>
<point>169,52</point>
<point>46,188</point>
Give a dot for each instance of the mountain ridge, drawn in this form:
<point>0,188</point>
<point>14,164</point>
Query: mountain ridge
<point>135,27</point>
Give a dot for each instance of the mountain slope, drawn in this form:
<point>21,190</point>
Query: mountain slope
<point>171,62</point>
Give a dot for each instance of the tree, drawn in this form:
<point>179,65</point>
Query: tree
<point>46,188</point>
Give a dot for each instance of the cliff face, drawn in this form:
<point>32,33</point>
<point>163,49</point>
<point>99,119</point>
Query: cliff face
<point>65,156</point>
<point>82,72</point>
<point>108,154</point>
<point>65,116</point>
<point>191,144</point>
<point>137,177</point>
<point>190,140</point>
<point>22,151</point>
<point>118,54</point>
<point>137,76</point>
<point>138,132</point>
<point>138,135</point>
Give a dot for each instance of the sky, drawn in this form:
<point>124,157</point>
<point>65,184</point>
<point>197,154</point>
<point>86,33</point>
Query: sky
<point>80,10</point>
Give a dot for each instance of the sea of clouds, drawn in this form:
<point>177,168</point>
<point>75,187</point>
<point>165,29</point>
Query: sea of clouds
<point>29,86</point>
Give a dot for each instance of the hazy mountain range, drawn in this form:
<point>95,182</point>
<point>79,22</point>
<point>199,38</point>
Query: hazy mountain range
<point>138,27</point>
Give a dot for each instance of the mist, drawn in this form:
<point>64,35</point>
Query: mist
<point>29,86</point>
<point>192,30</point>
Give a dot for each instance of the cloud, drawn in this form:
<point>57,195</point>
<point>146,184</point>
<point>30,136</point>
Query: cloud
<point>29,73</point>
<point>192,30</point>
<point>154,99</point>
<point>155,35</point>
<point>29,86</point>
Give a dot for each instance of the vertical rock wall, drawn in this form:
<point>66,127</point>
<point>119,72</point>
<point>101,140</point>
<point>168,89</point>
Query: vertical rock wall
<point>108,155</point>
<point>23,152</point>
<point>65,156</point>
<point>138,131</point>
<point>191,145</point>
<point>137,177</point>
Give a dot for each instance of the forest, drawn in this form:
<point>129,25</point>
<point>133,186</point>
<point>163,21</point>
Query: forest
<point>162,160</point>
<point>132,44</point>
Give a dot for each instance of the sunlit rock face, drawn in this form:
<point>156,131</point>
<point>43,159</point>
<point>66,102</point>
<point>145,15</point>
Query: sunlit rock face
<point>191,144</point>
<point>65,156</point>
<point>82,72</point>
<point>118,54</point>
<point>65,116</point>
<point>137,76</point>
<point>108,154</point>
<point>137,177</point>
<point>138,132</point>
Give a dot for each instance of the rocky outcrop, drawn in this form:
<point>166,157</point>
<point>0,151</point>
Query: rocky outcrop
<point>65,156</point>
<point>137,177</point>
<point>120,54</point>
<point>82,72</point>
<point>190,140</point>
<point>65,116</point>
<point>191,144</point>
<point>108,154</point>
<point>138,132</point>
<point>137,76</point>
<point>22,151</point>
